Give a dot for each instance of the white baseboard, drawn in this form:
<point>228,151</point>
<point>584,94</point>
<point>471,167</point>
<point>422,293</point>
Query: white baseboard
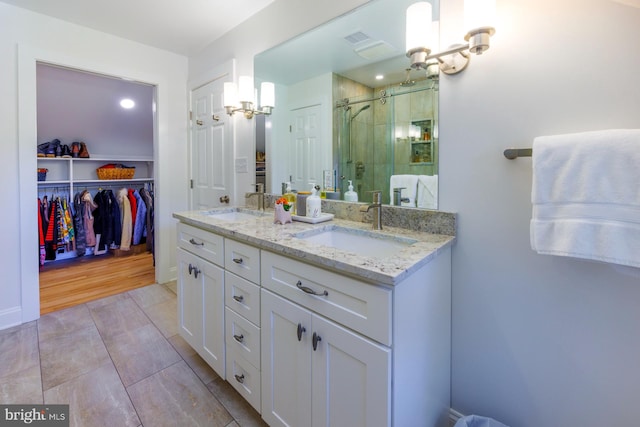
<point>454,416</point>
<point>10,317</point>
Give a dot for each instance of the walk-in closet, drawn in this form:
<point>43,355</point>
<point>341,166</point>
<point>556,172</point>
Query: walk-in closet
<point>96,190</point>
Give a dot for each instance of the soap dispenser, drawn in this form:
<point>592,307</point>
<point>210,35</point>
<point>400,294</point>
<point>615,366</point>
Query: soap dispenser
<point>290,197</point>
<point>350,195</point>
<point>314,203</point>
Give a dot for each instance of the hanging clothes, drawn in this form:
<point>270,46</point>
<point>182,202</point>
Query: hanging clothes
<point>81,241</point>
<point>88,207</point>
<point>40,235</point>
<point>147,196</point>
<point>139,224</point>
<point>116,220</point>
<point>125,215</point>
<point>134,208</point>
<point>51,236</point>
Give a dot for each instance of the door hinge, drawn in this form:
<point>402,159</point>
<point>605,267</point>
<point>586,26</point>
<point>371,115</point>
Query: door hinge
<point>290,128</point>
<point>190,115</point>
<point>191,183</point>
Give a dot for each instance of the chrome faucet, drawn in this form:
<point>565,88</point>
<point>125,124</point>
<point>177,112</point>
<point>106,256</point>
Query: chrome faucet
<point>397,196</point>
<point>377,209</point>
<point>260,193</point>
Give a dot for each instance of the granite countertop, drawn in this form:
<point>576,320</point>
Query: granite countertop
<point>264,234</point>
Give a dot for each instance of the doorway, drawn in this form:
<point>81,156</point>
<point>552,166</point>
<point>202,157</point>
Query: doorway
<point>86,257</point>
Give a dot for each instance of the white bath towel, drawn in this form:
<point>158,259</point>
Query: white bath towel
<point>586,196</point>
<point>409,185</point>
<point>427,191</point>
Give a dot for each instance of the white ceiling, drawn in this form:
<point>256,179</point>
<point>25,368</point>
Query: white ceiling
<point>184,27</point>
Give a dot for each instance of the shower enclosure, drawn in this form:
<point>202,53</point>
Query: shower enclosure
<point>382,132</point>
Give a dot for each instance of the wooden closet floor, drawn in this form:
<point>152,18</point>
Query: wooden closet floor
<point>67,283</point>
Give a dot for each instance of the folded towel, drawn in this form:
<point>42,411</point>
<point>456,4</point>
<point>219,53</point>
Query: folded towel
<point>409,185</point>
<point>427,191</point>
<point>586,196</point>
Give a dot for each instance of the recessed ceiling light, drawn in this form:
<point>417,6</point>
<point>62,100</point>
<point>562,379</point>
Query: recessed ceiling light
<point>127,103</point>
<point>379,77</point>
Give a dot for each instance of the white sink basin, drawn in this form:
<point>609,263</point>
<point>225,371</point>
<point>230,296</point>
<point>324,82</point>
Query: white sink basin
<point>357,241</point>
<point>234,214</point>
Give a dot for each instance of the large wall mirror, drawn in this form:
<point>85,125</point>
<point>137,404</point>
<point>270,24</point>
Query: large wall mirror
<point>349,108</point>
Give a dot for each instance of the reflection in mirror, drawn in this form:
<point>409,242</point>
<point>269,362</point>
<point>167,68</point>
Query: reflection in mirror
<point>336,122</point>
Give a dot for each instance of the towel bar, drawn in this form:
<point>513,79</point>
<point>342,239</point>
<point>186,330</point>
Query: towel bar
<point>514,153</point>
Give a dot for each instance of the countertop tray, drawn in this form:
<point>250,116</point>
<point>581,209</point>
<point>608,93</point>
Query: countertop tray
<point>322,218</point>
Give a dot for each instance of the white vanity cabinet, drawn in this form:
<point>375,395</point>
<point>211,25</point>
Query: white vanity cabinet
<point>306,345</point>
<point>342,352</point>
<point>317,373</point>
<point>201,294</point>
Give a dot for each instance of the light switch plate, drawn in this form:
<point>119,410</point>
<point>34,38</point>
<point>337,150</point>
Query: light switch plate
<point>242,165</point>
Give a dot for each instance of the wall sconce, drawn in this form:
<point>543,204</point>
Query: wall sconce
<point>241,98</point>
<point>479,19</point>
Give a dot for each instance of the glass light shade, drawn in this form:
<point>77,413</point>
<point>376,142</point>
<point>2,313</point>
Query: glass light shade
<point>479,14</point>
<point>230,98</point>
<point>418,26</point>
<point>245,89</point>
<point>267,94</point>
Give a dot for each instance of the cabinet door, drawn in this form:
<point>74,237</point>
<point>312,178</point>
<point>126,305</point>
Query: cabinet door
<point>201,308</point>
<point>351,378</point>
<point>189,300</point>
<point>213,344</point>
<point>286,362</point>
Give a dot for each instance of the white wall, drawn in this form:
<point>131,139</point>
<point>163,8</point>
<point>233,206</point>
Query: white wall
<point>276,23</point>
<point>537,340</point>
<point>40,36</point>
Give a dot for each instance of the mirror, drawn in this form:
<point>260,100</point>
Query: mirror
<point>335,122</point>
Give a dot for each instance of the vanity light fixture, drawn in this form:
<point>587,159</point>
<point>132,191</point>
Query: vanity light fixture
<point>479,19</point>
<point>241,97</point>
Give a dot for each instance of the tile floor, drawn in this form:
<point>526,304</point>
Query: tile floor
<point>118,361</point>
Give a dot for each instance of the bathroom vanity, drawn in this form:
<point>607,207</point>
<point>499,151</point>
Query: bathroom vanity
<point>326,324</point>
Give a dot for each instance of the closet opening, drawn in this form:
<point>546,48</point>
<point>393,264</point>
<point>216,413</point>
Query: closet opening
<point>95,183</point>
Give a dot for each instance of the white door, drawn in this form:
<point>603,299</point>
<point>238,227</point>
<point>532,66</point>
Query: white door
<point>351,378</point>
<point>286,362</point>
<point>307,155</point>
<point>211,147</point>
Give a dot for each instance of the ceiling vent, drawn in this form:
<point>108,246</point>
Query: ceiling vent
<point>357,38</point>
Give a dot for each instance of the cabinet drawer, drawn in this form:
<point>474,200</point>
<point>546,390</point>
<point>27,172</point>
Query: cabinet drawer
<point>202,243</point>
<point>243,297</point>
<point>242,259</point>
<point>243,336</point>
<point>360,306</point>
<point>244,377</point>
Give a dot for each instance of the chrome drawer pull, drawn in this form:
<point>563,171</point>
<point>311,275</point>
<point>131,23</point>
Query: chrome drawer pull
<point>315,340</point>
<point>301,330</point>
<point>193,242</point>
<point>238,338</point>
<point>310,291</point>
<point>239,378</point>
<point>238,298</point>
<point>237,260</point>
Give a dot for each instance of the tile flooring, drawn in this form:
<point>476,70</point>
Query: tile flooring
<point>118,361</point>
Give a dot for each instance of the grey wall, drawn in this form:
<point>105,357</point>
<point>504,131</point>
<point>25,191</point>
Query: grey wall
<point>80,106</point>
<point>537,340</point>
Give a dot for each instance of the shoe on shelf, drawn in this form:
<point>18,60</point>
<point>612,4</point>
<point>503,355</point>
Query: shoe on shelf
<point>52,148</point>
<point>66,152</point>
<point>84,153</point>
<point>75,150</point>
<point>42,149</point>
